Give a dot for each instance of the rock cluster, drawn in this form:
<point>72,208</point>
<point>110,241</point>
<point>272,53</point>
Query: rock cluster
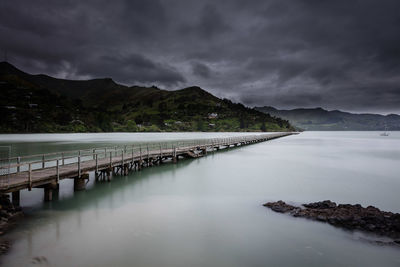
<point>353,217</point>
<point>8,215</point>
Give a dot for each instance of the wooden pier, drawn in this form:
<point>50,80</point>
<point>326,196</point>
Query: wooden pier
<point>46,170</point>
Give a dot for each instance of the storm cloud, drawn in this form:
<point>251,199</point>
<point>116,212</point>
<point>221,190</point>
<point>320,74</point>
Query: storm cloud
<point>298,53</point>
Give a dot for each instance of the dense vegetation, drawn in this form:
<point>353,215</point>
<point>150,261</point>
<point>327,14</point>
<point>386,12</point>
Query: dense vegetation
<point>318,119</point>
<point>39,103</point>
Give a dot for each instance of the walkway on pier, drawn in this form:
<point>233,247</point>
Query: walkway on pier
<point>46,170</point>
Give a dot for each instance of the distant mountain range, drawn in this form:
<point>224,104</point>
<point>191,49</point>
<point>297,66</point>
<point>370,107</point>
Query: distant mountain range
<point>319,119</point>
<point>40,103</point>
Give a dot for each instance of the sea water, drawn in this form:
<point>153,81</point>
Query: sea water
<point>208,211</point>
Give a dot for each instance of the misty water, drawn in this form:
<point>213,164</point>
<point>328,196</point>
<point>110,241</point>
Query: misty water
<point>208,211</point>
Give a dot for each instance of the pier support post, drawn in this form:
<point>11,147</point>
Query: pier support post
<point>15,196</point>
<point>174,157</point>
<point>108,171</point>
<point>18,162</point>
<point>48,194</point>
<point>51,191</point>
<point>80,182</point>
<point>126,169</point>
<point>140,159</point>
<point>56,190</point>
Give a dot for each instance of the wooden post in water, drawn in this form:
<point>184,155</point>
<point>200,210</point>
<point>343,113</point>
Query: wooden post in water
<point>140,158</point>
<point>148,158</point>
<point>58,171</point>
<point>79,164</point>
<point>30,176</point>
<point>160,154</point>
<point>123,165</point>
<point>174,159</point>
<point>48,193</point>
<point>18,162</point>
<point>96,174</point>
<point>79,183</point>
<point>43,164</point>
<point>15,198</point>
<point>97,162</point>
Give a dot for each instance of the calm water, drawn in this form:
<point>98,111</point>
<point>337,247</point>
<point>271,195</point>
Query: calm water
<point>208,211</point>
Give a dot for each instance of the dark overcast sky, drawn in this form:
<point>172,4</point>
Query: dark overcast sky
<point>338,54</point>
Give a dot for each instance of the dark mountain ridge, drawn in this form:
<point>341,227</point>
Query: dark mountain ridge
<point>40,103</point>
<point>319,119</point>
<point>75,89</point>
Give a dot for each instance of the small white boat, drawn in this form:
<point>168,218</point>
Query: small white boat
<point>385,133</point>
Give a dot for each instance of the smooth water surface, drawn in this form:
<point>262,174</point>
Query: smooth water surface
<point>208,211</point>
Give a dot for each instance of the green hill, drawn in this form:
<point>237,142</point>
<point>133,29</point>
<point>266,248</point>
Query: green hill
<point>40,103</point>
<point>319,119</point>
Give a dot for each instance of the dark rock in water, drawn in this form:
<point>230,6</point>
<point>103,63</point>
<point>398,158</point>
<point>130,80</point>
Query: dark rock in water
<point>39,260</point>
<point>353,217</point>
<point>279,206</point>
<point>4,246</point>
<point>326,204</point>
<point>8,215</point>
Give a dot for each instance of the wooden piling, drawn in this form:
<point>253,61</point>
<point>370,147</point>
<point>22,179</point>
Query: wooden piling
<point>57,171</point>
<point>30,176</point>
<point>15,197</point>
<point>79,164</point>
<point>18,162</point>
<point>48,194</point>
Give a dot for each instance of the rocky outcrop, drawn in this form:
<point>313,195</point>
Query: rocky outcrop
<point>353,217</point>
<point>8,215</point>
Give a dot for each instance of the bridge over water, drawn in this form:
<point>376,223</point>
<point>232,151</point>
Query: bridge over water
<point>46,170</point>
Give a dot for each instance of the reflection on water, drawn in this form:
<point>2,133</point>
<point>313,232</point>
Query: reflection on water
<point>207,211</point>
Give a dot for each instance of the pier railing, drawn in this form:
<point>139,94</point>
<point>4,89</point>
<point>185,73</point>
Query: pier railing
<point>5,152</point>
<point>42,161</point>
<point>46,170</point>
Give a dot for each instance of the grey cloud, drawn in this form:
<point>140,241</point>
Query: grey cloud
<point>201,70</point>
<point>208,24</point>
<point>335,54</point>
<point>132,68</point>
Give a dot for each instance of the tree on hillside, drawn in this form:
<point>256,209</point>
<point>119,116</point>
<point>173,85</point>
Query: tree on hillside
<point>200,126</point>
<point>104,122</point>
<point>131,126</point>
<point>263,127</point>
<point>242,125</point>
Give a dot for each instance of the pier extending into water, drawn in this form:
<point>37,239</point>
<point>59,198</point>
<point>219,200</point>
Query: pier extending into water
<point>46,170</point>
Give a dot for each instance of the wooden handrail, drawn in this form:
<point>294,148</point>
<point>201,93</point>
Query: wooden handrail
<point>181,145</point>
<point>113,148</point>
